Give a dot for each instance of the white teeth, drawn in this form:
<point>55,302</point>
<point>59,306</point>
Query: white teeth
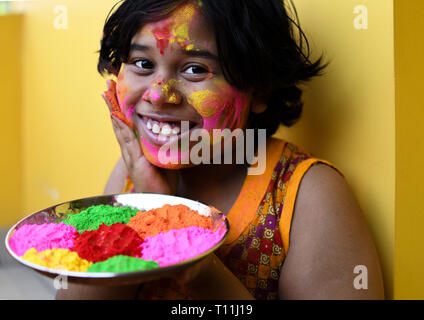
<point>166,130</point>
<point>156,128</point>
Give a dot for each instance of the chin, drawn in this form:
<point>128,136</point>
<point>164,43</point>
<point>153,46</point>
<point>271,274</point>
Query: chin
<point>153,159</point>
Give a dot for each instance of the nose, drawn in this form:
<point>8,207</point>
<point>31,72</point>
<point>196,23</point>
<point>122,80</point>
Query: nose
<point>163,92</point>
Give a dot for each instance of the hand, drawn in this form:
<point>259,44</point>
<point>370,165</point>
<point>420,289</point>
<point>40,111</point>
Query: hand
<point>145,176</point>
<point>190,275</point>
<point>210,279</point>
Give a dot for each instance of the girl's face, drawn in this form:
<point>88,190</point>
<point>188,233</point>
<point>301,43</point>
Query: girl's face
<point>173,75</point>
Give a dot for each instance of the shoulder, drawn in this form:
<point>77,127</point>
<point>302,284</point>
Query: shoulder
<point>329,237</point>
<point>323,185</point>
<point>116,181</point>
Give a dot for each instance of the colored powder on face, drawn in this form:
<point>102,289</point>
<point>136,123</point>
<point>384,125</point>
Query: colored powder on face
<point>150,223</point>
<point>206,102</point>
<point>162,34</point>
<point>42,237</point>
<point>108,241</point>
<point>61,259</point>
<point>122,264</point>
<point>175,246</point>
<point>183,19</point>
<point>92,217</point>
<point>178,161</point>
<point>130,111</point>
<point>155,96</point>
<point>225,108</point>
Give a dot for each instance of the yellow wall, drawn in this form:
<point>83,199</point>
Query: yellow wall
<point>11,196</point>
<point>349,118</point>
<point>349,115</point>
<point>69,146</point>
<point>409,236</point>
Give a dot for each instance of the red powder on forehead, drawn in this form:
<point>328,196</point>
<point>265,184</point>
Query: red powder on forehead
<point>108,241</point>
<point>152,222</point>
<point>162,34</point>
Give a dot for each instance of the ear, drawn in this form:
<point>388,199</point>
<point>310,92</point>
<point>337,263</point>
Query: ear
<point>258,104</point>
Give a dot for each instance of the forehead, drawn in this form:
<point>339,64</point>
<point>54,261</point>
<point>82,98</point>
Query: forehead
<point>186,27</point>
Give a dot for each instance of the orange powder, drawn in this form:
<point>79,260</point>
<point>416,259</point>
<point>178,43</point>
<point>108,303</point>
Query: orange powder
<point>166,218</point>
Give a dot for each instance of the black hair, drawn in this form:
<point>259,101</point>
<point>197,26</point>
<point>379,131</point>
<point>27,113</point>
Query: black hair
<point>256,44</point>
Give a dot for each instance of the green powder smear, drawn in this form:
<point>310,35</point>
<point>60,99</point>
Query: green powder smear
<point>122,264</point>
<point>92,217</point>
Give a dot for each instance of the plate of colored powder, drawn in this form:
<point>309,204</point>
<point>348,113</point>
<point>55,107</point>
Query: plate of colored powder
<point>117,239</point>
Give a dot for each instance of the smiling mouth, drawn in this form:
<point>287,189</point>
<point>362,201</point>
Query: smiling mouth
<point>160,131</point>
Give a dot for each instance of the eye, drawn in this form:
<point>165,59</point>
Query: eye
<point>196,70</point>
<point>143,64</point>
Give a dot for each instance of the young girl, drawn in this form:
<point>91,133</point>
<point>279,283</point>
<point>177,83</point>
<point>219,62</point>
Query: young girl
<point>296,231</point>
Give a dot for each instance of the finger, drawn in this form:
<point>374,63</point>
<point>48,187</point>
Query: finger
<point>122,132</point>
<point>128,141</point>
<point>109,105</point>
<point>121,141</point>
<point>112,89</point>
<point>113,104</point>
<point>116,114</point>
<point>121,117</point>
<point>111,97</point>
<point>111,85</point>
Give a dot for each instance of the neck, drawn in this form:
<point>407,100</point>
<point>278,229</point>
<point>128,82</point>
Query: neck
<point>216,185</point>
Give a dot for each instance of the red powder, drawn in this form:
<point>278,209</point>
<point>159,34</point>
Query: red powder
<point>108,241</point>
<point>152,222</point>
<point>162,34</point>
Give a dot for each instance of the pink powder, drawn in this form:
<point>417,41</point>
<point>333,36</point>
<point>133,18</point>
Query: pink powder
<point>174,246</point>
<point>42,237</point>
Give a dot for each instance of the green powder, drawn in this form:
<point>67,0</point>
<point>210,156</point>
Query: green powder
<point>122,264</point>
<point>92,217</point>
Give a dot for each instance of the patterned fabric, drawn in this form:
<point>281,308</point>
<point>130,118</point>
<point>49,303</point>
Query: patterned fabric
<point>259,252</point>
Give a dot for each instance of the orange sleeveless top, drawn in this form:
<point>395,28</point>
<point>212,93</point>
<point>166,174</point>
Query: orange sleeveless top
<point>260,219</point>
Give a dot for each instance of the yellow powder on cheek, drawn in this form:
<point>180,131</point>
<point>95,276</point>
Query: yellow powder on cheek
<point>206,102</point>
<point>62,259</point>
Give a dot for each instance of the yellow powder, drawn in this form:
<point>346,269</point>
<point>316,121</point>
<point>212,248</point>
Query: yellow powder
<point>62,259</point>
<point>183,17</point>
<point>167,88</point>
<point>206,102</point>
<point>173,98</point>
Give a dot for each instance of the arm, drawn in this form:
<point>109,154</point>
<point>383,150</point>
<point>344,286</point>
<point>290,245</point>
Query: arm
<point>116,182</point>
<point>329,236</point>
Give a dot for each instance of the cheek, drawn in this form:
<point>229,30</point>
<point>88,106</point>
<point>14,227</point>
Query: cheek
<point>221,110</point>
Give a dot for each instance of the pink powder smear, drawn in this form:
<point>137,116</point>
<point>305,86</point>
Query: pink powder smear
<point>175,246</point>
<point>42,237</point>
